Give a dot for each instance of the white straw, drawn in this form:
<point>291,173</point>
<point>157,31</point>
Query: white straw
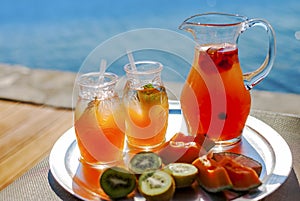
<point>101,71</point>
<point>131,60</point>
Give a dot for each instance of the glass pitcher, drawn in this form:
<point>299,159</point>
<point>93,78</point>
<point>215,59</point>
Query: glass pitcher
<point>215,99</point>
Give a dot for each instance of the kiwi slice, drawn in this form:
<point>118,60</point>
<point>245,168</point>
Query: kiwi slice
<point>117,182</point>
<point>184,174</point>
<point>144,161</point>
<point>156,185</point>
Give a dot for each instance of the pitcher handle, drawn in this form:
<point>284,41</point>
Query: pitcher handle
<point>254,77</point>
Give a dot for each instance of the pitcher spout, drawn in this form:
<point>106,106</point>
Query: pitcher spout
<point>188,25</point>
<point>194,24</point>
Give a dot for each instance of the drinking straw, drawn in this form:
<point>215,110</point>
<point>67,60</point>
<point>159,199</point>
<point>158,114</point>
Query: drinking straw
<point>131,60</point>
<point>101,71</point>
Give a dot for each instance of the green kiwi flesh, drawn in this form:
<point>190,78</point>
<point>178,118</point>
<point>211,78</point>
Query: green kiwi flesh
<point>184,174</point>
<point>144,161</point>
<point>156,185</point>
<point>117,182</point>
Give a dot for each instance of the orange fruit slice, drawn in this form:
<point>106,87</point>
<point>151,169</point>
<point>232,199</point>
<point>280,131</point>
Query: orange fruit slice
<point>212,177</point>
<point>240,158</point>
<point>243,178</point>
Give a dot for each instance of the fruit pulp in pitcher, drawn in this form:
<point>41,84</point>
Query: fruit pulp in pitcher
<point>100,132</point>
<point>147,116</point>
<point>214,99</point>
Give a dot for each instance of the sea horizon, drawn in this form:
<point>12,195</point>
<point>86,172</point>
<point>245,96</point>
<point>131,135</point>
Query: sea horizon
<point>60,35</point>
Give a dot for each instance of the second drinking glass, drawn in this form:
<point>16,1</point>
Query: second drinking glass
<point>146,105</point>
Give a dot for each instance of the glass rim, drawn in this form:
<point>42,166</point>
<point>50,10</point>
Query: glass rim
<point>129,69</point>
<point>233,19</point>
<point>113,78</point>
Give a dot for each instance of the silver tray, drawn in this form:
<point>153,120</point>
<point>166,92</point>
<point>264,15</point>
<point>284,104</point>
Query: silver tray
<point>259,141</point>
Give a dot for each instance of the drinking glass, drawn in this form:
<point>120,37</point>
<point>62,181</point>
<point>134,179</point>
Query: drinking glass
<point>99,119</point>
<point>146,105</point>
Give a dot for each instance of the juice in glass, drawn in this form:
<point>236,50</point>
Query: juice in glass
<point>214,99</point>
<point>99,121</point>
<point>146,105</point>
<point>147,116</point>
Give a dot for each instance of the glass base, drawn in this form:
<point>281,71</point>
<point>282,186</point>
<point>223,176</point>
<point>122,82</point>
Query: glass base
<point>226,145</point>
<point>87,178</point>
<point>137,148</point>
<point>101,165</point>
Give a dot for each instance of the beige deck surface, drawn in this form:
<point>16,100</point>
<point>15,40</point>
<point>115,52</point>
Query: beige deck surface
<point>27,134</point>
<point>55,88</point>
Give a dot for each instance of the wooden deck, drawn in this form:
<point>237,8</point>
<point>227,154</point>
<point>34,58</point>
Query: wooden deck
<point>27,134</point>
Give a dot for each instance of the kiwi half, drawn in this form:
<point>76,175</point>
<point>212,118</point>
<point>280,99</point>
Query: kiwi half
<point>156,185</point>
<point>144,161</point>
<point>184,174</point>
<point>117,182</point>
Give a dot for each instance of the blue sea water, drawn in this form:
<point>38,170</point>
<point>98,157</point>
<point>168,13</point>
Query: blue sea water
<point>60,35</point>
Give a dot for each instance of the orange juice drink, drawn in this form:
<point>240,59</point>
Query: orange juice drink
<point>100,137</point>
<point>99,126</point>
<point>146,116</point>
<point>214,100</point>
<point>146,105</point>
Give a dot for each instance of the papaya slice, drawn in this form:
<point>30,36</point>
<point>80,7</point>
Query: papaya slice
<point>184,149</point>
<point>243,178</point>
<point>180,152</point>
<point>241,159</point>
<point>211,176</point>
<point>201,140</point>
